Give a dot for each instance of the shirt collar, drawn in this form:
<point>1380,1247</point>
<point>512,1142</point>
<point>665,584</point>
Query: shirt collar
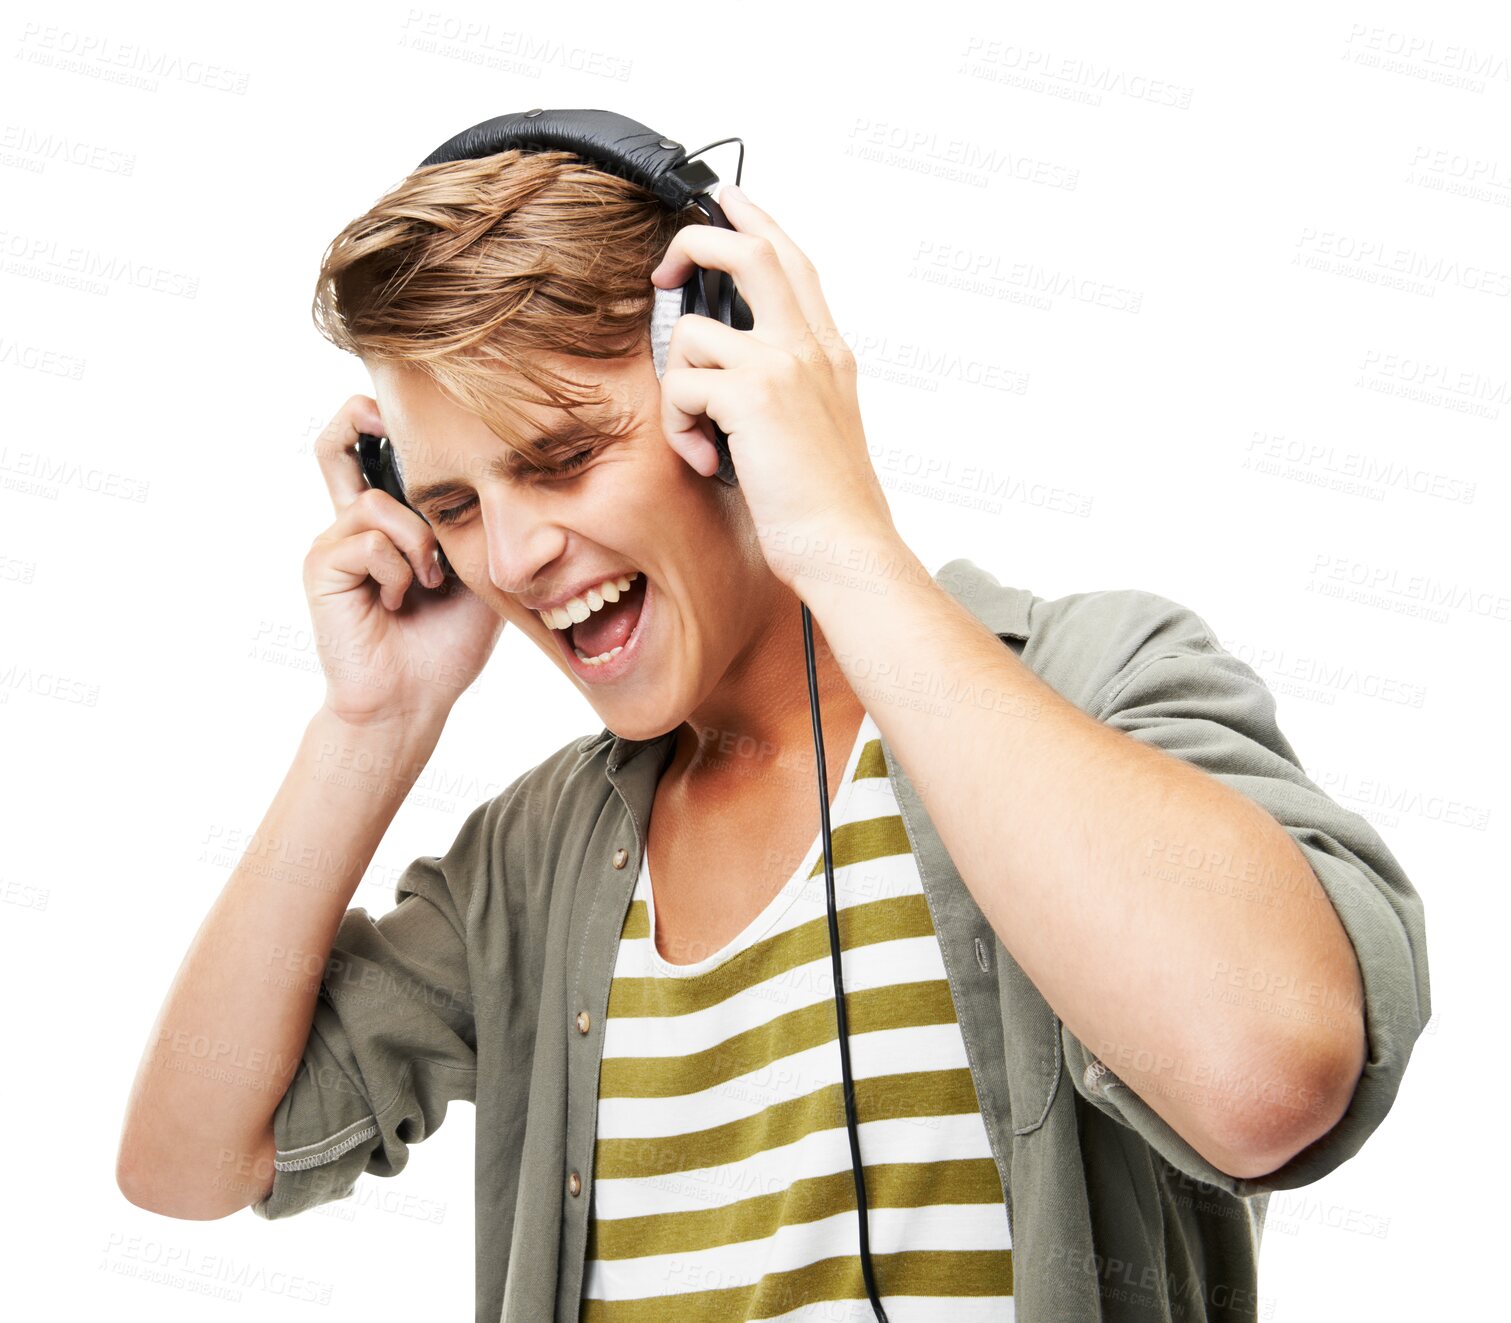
<point>1002,609</point>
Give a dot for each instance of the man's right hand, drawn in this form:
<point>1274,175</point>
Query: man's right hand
<point>395,640</point>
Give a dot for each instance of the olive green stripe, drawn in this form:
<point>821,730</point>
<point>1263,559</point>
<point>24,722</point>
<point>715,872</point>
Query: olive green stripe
<point>859,925</point>
<point>872,762</point>
<point>895,1006</point>
<point>907,1094</point>
<point>853,843</point>
<point>637,922</point>
<point>862,841</point>
<point>947,1273</point>
<point>888,1185</point>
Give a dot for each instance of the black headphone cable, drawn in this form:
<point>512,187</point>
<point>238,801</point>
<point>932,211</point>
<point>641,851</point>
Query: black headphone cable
<point>839,986</point>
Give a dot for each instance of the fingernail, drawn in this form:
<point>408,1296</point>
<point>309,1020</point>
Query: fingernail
<point>733,191</point>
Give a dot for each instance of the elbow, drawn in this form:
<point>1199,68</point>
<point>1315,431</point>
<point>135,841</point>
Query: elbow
<point>1296,1104</point>
<point>155,1189</point>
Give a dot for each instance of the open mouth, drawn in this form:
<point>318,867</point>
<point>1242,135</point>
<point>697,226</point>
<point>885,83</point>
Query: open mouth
<point>599,646</point>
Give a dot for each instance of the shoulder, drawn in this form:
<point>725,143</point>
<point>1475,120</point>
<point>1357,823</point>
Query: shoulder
<point>1112,627</point>
<point>562,781</point>
<point>508,835</point>
<point>1085,645</point>
<point>1090,645</point>
<point>1103,620</point>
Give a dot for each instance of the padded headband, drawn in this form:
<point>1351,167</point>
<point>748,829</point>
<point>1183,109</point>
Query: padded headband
<point>614,143</point>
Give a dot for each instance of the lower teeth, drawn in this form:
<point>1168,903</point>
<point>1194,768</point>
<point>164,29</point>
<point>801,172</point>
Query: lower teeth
<point>600,659</point>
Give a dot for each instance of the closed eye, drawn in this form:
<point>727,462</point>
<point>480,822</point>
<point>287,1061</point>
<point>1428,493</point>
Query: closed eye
<point>574,461</point>
<point>451,514</point>
<point>454,512</point>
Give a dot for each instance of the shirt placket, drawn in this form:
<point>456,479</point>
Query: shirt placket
<point>609,872</point>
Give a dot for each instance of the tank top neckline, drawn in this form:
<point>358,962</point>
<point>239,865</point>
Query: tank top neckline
<point>780,903</point>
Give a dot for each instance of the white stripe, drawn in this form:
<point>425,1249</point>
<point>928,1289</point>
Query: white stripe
<point>879,965</point>
<point>906,1309</point>
<point>925,1047</point>
<point>959,1227</point>
<point>803,898</point>
<point>897,1139</point>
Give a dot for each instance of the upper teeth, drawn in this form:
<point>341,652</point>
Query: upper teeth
<point>578,609</point>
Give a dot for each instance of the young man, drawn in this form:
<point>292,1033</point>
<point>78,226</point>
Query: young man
<point>1114,967</point>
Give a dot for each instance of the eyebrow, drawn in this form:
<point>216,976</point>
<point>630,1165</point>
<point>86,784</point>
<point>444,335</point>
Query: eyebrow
<point>552,447</point>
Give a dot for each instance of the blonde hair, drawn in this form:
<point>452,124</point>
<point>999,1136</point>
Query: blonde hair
<point>469,267</point>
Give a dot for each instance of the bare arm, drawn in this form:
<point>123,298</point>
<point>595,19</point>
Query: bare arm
<point>1051,815</point>
<point>397,645</point>
<point>197,1140</point>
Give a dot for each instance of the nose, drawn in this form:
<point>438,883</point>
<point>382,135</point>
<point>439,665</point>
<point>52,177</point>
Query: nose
<point>519,541</point>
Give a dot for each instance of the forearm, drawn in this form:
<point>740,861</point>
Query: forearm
<point>1060,828</point>
<point>232,1029</point>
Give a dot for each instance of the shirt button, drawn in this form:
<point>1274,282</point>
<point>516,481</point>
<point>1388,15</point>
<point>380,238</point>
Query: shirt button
<point>582,1022</point>
<point>574,1182</point>
<point>1098,1078</point>
<point>620,856</point>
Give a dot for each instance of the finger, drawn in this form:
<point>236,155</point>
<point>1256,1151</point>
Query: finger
<point>359,556</point>
<point>824,338</point>
<point>373,508</point>
<point>802,274</point>
<point>756,268</point>
<point>336,451</point>
<point>687,394</point>
<point>702,342</point>
<point>698,341</point>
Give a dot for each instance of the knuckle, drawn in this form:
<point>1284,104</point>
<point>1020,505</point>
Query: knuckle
<point>375,544</point>
<point>837,349</point>
<point>809,354</point>
<point>776,382</point>
<point>763,250</point>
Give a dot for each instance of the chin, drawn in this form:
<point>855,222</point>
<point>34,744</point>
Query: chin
<point>639,723</point>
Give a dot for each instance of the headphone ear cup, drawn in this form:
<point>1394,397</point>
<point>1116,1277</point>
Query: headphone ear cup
<point>380,464</point>
<point>382,469</point>
<point>743,319</point>
<point>663,317</point>
<point>673,303</point>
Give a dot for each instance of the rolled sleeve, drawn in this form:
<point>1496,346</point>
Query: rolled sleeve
<point>393,1039</point>
<point>1182,693</point>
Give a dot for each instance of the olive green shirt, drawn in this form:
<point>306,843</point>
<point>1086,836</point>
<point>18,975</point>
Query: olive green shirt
<point>489,979</point>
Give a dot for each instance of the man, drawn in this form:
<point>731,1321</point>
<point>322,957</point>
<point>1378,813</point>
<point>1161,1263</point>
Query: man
<point>1116,968</point>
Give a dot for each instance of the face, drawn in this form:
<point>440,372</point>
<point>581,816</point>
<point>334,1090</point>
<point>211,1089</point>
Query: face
<point>613,505</point>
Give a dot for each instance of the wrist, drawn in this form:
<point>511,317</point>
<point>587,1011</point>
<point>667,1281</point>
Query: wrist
<point>859,563</point>
<point>390,752</point>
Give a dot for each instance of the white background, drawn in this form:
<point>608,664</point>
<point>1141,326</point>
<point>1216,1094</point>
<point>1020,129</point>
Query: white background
<point>1202,301</point>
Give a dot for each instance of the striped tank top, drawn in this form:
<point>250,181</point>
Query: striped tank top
<point>722,1179</point>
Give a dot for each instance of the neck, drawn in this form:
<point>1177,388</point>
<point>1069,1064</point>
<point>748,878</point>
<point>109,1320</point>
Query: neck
<point>754,734</point>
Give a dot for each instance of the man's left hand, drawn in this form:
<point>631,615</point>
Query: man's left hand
<point>784,393</point>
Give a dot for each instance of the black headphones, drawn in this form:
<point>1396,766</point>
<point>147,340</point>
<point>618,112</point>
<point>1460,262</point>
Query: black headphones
<point>626,148</point>
<point>621,146</point>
